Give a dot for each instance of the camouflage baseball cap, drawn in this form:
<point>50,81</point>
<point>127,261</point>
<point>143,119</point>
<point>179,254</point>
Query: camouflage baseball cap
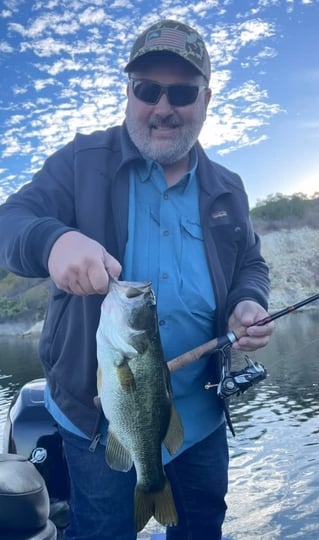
<point>174,37</point>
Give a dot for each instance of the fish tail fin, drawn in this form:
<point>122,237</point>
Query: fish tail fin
<point>159,504</point>
<point>164,508</point>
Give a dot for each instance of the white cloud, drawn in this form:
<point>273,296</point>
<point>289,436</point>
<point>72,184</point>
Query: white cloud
<point>5,47</point>
<point>252,30</point>
<point>5,14</point>
<point>91,17</point>
<point>121,4</point>
<point>13,145</point>
<point>16,119</point>
<point>16,27</point>
<point>11,5</point>
<point>39,84</point>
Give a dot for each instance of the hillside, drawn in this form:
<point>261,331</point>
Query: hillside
<point>292,256</point>
<point>293,259</point>
<point>23,301</point>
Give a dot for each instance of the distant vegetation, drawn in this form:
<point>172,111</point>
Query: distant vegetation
<point>25,299</point>
<point>286,212</point>
<point>22,299</point>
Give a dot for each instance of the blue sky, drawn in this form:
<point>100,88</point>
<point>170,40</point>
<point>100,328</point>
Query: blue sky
<point>62,71</point>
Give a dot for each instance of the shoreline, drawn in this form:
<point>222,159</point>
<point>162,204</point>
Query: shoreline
<point>24,330</point>
<point>21,329</point>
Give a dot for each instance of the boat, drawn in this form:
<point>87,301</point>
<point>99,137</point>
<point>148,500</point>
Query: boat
<point>34,481</point>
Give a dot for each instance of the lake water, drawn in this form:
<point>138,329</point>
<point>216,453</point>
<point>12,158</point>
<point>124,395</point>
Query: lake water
<point>274,468</point>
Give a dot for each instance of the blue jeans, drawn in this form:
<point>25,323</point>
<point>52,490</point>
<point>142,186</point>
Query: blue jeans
<point>102,500</point>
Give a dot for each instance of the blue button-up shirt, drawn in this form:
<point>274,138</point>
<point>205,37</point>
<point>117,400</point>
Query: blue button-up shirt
<point>165,245</point>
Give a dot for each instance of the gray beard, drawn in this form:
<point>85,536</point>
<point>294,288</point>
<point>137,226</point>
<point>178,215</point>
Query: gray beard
<point>165,153</point>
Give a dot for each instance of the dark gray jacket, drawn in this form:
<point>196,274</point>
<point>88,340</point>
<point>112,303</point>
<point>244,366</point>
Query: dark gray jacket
<point>84,186</point>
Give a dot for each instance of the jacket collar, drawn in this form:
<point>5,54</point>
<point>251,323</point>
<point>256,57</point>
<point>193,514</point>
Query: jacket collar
<point>210,175</point>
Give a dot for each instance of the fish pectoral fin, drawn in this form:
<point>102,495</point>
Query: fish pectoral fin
<point>126,377</point>
<point>97,402</point>
<point>175,433</point>
<point>159,504</point>
<point>116,456</point>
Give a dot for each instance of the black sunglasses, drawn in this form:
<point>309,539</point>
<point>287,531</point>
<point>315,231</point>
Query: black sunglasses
<point>178,95</point>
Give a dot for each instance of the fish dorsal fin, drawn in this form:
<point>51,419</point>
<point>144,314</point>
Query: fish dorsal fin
<point>116,456</point>
<point>175,434</point>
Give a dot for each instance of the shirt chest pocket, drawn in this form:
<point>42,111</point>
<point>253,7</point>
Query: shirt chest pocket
<point>195,276</point>
<point>191,229</point>
<point>192,243</point>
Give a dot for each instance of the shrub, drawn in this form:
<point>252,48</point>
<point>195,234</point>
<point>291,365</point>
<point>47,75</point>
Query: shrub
<point>286,212</point>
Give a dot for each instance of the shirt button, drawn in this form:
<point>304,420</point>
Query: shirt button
<point>161,323</point>
<point>165,233</point>
<point>165,196</point>
<point>164,275</point>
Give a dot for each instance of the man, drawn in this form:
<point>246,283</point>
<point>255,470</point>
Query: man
<point>142,202</point>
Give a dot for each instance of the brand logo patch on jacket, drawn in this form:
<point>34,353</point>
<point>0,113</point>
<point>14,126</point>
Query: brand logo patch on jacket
<point>219,214</point>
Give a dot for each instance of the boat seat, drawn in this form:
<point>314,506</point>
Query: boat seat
<point>24,501</point>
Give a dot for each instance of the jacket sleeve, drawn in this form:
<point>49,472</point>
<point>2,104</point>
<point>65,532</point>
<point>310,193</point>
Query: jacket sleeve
<point>251,275</point>
<point>32,219</point>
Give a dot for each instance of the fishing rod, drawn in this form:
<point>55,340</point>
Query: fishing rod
<point>220,343</point>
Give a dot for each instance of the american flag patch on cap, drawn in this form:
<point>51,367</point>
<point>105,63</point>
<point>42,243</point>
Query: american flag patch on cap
<point>167,37</point>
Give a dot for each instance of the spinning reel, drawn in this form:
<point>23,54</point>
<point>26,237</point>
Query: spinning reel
<point>237,382</point>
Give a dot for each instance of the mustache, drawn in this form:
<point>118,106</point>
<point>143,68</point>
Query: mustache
<point>164,121</point>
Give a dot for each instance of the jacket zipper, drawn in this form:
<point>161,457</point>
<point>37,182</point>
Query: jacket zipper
<point>95,442</point>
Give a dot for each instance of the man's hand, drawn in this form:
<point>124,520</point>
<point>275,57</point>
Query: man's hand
<point>79,265</point>
<point>245,314</point>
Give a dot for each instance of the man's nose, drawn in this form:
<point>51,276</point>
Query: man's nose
<point>163,104</point>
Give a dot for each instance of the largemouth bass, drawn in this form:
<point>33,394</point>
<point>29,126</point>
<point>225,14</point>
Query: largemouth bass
<point>135,393</point>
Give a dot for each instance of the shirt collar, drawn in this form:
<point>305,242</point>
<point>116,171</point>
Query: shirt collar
<point>145,168</point>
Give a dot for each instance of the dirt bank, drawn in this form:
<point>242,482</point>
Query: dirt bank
<point>293,259</point>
